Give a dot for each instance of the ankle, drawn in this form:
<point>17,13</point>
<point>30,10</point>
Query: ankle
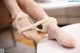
<point>14,14</point>
<point>53,27</point>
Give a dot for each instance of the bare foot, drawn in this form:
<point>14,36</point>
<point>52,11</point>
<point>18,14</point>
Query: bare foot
<point>54,32</point>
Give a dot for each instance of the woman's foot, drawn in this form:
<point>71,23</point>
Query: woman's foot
<point>25,22</point>
<point>54,32</point>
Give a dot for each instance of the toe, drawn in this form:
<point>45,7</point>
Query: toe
<point>36,37</point>
<point>67,43</point>
<point>32,34</point>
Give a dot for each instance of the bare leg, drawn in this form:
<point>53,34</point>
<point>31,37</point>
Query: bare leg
<point>12,7</point>
<point>54,32</point>
<point>15,10</point>
<point>32,9</point>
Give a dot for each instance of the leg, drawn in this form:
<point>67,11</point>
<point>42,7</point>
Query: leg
<point>32,8</point>
<point>15,10</point>
<point>12,7</point>
<point>54,32</point>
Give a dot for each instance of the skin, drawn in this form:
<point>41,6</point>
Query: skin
<point>32,8</point>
